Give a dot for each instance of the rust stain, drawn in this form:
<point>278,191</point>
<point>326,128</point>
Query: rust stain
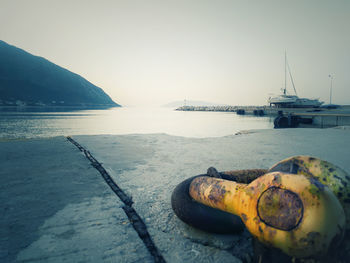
<point>317,183</point>
<point>244,217</point>
<point>217,192</point>
<point>208,190</point>
<point>311,239</point>
<point>271,232</point>
<point>276,179</point>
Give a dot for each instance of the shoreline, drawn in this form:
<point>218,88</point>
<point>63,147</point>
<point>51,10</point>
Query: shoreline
<point>62,107</point>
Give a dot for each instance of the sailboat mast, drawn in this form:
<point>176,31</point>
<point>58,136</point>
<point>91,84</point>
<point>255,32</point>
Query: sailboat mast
<point>291,78</point>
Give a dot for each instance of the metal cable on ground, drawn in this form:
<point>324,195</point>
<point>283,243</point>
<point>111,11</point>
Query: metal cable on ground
<point>134,218</point>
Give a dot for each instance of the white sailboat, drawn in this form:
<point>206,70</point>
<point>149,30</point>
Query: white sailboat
<point>292,101</point>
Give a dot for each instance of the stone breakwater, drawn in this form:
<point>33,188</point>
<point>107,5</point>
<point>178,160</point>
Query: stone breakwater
<point>221,108</point>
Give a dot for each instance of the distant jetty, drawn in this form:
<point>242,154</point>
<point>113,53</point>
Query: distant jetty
<point>248,109</point>
<point>315,117</point>
<point>241,110</point>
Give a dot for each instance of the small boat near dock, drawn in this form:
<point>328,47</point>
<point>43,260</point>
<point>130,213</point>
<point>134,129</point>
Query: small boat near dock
<point>292,101</point>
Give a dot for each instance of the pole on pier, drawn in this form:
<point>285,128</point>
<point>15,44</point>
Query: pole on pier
<point>330,91</point>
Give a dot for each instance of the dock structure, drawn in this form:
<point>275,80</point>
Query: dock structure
<point>319,117</point>
<point>325,120</point>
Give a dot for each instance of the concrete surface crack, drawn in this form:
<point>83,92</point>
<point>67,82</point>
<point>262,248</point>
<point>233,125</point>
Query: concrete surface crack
<point>134,218</point>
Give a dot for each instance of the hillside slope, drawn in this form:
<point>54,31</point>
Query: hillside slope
<point>26,79</point>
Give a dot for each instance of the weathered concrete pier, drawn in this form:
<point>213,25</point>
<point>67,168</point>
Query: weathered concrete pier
<point>58,207</point>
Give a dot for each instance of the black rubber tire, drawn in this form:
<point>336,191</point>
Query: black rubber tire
<point>281,122</point>
<point>201,216</point>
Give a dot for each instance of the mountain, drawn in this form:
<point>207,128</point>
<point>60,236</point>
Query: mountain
<point>176,104</point>
<point>26,79</point>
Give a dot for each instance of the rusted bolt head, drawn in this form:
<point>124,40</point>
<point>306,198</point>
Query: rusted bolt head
<point>280,208</point>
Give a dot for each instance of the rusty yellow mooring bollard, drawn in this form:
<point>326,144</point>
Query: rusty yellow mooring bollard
<point>292,212</point>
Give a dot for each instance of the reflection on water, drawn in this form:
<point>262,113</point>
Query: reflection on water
<point>31,123</point>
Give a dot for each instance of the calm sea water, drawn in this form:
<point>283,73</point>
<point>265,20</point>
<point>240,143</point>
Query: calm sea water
<point>30,123</point>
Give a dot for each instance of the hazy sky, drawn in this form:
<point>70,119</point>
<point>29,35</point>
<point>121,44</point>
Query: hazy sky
<point>154,52</point>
